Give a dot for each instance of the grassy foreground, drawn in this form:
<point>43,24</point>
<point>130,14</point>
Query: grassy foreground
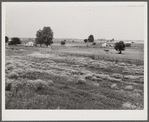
<point>36,78</point>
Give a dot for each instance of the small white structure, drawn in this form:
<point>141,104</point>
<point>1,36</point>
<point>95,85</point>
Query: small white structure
<point>29,44</point>
<point>104,45</point>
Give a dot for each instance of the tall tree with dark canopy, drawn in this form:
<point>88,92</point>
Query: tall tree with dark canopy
<point>6,39</point>
<point>14,41</point>
<point>91,38</point>
<point>119,46</point>
<point>38,39</point>
<point>44,36</point>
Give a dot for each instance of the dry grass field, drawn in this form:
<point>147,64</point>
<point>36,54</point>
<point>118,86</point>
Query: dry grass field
<point>40,78</point>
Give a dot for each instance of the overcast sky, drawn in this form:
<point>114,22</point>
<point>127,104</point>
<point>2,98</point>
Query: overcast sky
<point>77,20</point>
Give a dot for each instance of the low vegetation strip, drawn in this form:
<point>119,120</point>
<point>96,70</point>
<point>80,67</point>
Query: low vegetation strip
<point>40,79</point>
<point>99,57</point>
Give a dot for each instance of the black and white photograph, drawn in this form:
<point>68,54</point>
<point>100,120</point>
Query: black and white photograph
<point>74,61</point>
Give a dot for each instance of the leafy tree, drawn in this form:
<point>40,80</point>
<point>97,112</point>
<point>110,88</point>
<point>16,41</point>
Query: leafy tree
<point>44,36</point>
<point>14,41</point>
<point>85,40</point>
<point>119,46</point>
<point>6,39</point>
<point>91,38</point>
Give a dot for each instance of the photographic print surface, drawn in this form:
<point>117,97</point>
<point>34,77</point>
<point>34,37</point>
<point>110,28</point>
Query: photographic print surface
<point>62,56</point>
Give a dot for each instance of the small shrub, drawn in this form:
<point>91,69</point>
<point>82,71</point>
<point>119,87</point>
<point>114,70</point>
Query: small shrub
<point>16,85</point>
<point>94,43</point>
<point>131,77</point>
<point>13,75</point>
<point>50,82</point>
<point>116,75</point>
<point>8,62</point>
<point>10,67</point>
<point>130,87</point>
<point>88,76</point>
<point>81,81</point>
<point>8,85</point>
<point>37,85</point>
<point>96,79</point>
<point>114,86</point>
<point>103,76</point>
<point>114,79</point>
<point>119,46</point>
<point>63,43</point>
<point>128,105</point>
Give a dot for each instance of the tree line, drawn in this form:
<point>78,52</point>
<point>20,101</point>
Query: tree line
<point>45,36</point>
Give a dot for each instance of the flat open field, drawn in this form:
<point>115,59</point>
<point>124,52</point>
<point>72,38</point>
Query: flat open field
<point>41,78</point>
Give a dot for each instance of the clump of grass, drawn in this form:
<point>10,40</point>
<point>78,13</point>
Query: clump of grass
<point>128,105</point>
<point>10,67</point>
<point>8,63</point>
<point>114,79</point>
<point>88,76</point>
<point>130,87</point>
<point>50,82</point>
<point>70,79</point>
<point>103,76</point>
<point>16,85</point>
<point>24,87</point>
<point>96,79</point>
<point>117,75</point>
<point>81,81</point>
<point>19,70</point>
<point>38,84</point>
<point>8,84</point>
<point>13,75</point>
<point>131,77</point>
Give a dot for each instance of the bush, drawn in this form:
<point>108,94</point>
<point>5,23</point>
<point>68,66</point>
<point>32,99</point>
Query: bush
<point>50,82</point>
<point>13,75</point>
<point>81,81</point>
<point>8,62</point>
<point>8,85</point>
<point>94,43</point>
<point>37,85</point>
<point>128,105</point>
<point>6,39</point>
<point>88,76</point>
<point>14,41</point>
<point>119,46</point>
<point>116,75</point>
<point>10,67</point>
<point>63,43</point>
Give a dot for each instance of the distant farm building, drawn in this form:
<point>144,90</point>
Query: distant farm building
<point>128,44</point>
<point>29,44</point>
